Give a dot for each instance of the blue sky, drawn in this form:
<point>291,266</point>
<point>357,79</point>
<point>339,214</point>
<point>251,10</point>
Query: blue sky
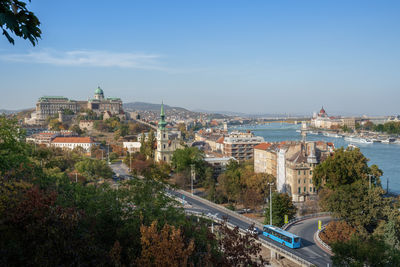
<point>247,56</point>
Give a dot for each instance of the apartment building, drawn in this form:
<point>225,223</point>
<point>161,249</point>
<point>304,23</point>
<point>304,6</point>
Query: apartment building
<point>241,145</point>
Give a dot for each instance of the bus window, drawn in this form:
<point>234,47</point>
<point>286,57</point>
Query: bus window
<point>296,240</point>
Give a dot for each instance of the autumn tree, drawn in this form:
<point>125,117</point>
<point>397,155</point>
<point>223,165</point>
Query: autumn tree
<point>337,231</point>
<point>165,247</point>
<point>238,249</point>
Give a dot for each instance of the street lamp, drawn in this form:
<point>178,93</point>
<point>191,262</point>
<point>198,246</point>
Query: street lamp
<point>270,202</point>
<point>192,176</point>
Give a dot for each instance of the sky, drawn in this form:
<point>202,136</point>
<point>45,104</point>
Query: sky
<point>244,56</point>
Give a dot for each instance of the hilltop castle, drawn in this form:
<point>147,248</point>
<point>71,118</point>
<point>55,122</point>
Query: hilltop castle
<point>48,106</point>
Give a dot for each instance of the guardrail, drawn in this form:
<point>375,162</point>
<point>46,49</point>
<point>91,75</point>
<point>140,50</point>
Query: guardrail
<point>319,240</point>
<point>265,243</point>
<point>223,209</point>
<point>302,218</point>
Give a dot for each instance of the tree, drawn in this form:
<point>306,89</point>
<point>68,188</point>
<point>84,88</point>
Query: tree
<point>238,249</point>
<point>75,128</point>
<point>94,169</point>
<point>165,248</point>
<point>343,168</point>
<point>149,144</point>
<point>337,231</point>
<point>183,159</point>
<point>281,205</point>
<point>13,152</point>
<point>360,252</point>
<point>16,18</point>
<point>358,205</point>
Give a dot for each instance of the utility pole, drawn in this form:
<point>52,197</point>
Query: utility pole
<point>108,154</point>
<point>192,176</point>
<point>76,177</point>
<point>387,186</point>
<point>270,202</point>
<point>130,163</point>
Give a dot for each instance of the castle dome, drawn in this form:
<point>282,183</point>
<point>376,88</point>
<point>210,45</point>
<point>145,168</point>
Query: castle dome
<point>99,91</point>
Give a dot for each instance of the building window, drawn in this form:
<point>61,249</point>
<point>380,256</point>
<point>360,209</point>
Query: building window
<point>314,189</point>
<point>163,135</point>
<point>304,180</point>
<point>165,159</point>
<point>310,189</point>
<point>304,172</point>
<point>305,189</point>
<point>299,190</point>
<point>299,181</point>
<point>298,172</point>
<point>310,181</point>
<point>164,145</point>
<point>310,172</point>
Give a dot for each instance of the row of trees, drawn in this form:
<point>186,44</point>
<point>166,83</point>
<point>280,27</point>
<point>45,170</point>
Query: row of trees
<point>368,221</point>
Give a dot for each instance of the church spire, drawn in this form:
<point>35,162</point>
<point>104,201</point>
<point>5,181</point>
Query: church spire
<point>162,123</point>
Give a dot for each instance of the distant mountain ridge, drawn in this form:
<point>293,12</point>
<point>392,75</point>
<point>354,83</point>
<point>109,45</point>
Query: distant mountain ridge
<point>150,107</point>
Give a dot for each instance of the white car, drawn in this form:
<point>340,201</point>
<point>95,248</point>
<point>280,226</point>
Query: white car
<point>253,230</point>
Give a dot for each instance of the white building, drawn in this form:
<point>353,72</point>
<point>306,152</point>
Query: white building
<point>73,142</point>
<point>132,147</point>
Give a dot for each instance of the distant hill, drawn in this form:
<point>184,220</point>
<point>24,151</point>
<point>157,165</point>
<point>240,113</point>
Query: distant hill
<point>8,111</point>
<point>150,107</point>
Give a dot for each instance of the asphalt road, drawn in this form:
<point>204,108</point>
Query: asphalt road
<point>305,229</point>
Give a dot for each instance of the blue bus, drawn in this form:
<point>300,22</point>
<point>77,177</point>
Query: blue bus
<point>281,236</point>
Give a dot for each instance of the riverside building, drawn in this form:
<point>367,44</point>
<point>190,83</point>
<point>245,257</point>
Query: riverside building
<point>241,145</point>
<point>292,163</point>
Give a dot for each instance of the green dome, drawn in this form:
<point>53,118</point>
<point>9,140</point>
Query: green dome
<point>99,91</point>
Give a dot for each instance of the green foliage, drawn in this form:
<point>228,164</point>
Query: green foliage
<point>361,252</point>
<point>343,168</point>
<point>94,169</point>
<point>13,152</point>
<point>391,127</point>
<point>281,205</point>
<point>182,159</point>
<point>358,205</point>
<point>75,128</point>
<point>16,18</point>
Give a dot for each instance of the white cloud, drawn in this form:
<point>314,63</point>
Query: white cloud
<point>88,58</point>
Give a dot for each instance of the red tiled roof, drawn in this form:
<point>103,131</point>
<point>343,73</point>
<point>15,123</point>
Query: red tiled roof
<point>262,146</point>
<point>221,140</point>
<point>73,140</point>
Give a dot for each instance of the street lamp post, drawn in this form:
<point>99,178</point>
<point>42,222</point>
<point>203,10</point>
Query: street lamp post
<point>270,202</point>
<point>130,163</point>
<point>108,154</point>
<point>192,176</point>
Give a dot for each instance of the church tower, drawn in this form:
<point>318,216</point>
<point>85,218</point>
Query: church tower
<point>163,151</point>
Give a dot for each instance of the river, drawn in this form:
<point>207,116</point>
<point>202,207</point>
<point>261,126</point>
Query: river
<point>386,156</point>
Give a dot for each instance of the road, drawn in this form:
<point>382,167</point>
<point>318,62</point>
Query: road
<point>305,229</point>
